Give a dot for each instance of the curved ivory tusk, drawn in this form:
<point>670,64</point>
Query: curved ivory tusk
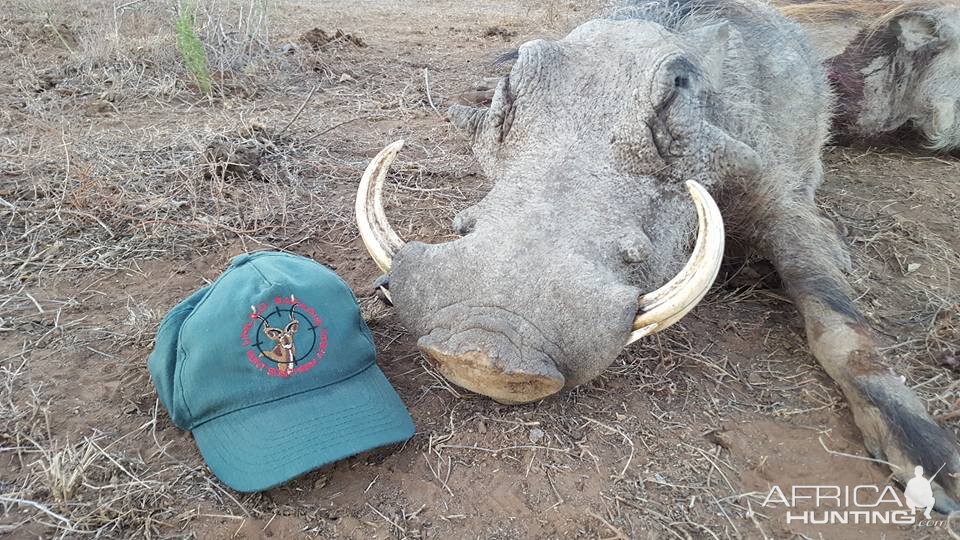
<point>668,304</point>
<point>381,241</point>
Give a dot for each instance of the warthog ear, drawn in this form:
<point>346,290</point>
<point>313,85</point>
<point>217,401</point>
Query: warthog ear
<point>915,31</point>
<point>467,119</point>
<point>482,93</point>
<point>735,158</point>
<point>710,43</point>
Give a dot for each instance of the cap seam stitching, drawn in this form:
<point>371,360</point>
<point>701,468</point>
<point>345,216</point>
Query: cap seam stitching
<point>178,368</point>
<point>262,275</point>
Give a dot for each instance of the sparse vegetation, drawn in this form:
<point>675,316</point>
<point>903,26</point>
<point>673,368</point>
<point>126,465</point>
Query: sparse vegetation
<point>191,51</point>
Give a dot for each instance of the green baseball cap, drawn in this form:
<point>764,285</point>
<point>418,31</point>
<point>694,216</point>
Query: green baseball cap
<point>274,371</point>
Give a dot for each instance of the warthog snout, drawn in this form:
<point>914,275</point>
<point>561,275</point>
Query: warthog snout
<point>490,363</point>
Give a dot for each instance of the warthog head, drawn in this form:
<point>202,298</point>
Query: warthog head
<point>600,145</point>
<point>903,71</point>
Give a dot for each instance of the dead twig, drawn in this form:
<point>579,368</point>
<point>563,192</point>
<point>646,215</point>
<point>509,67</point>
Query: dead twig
<point>385,518</point>
<point>426,82</point>
<point>616,532</point>
<point>861,458</point>
<point>38,506</point>
<point>299,111</point>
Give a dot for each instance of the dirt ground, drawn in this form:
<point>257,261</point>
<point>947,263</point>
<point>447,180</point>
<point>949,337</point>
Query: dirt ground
<point>123,188</point>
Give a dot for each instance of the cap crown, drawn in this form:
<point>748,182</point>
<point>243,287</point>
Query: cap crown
<point>271,326</point>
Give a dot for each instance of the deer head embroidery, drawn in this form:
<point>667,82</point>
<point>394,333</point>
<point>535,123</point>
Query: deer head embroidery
<point>284,353</point>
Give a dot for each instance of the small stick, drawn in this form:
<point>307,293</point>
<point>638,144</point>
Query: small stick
<point>39,507</point>
<point>242,523</point>
<point>426,80</point>
<point>372,482</point>
<point>555,492</point>
<point>335,126</point>
<point>504,449</point>
<point>436,474</point>
<point>85,214</point>
<point>753,518</point>
<point>230,495</point>
<point>401,529</point>
<point>117,11</point>
<point>59,35</point>
<point>119,466</point>
<point>617,532</point>
<point>300,110</point>
<point>129,4</point>
<point>34,300</point>
<point>626,439</point>
<point>835,453</point>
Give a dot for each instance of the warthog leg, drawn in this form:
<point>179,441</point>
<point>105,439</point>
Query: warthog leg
<point>893,420</point>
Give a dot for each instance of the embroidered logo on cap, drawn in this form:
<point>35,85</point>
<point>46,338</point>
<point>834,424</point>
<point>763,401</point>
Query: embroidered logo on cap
<point>284,339</point>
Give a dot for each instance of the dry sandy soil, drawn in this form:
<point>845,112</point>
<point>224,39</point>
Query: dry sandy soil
<point>116,202</point>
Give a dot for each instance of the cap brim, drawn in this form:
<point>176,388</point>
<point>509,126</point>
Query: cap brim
<point>260,447</point>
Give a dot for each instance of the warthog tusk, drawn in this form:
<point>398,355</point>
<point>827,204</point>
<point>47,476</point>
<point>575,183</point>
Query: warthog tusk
<point>659,309</point>
<point>668,304</point>
<point>381,241</point>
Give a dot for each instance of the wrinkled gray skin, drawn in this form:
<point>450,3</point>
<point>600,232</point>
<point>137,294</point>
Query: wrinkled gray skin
<point>589,139</point>
<point>901,75</point>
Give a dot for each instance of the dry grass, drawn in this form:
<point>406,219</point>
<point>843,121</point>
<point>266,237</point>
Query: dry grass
<point>88,201</point>
<point>81,200</point>
<point>167,173</point>
<point>88,488</point>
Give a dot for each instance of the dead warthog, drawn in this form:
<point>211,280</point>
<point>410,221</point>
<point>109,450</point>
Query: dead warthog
<point>598,143</point>
<point>898,77</point>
